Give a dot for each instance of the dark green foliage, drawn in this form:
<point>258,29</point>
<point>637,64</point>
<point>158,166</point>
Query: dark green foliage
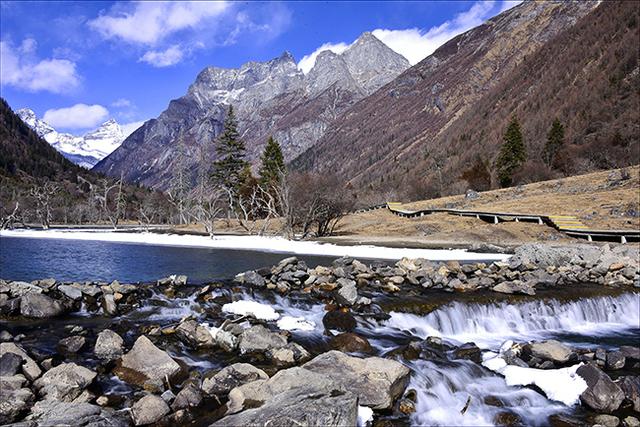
<point>555,141</point>
<point>512,153</point>
<point>272,164</point>
<point>230,151</point>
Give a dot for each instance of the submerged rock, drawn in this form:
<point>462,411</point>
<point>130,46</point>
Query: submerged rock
<point>146,365</point>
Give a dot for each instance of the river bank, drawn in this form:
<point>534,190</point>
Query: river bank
<point>346,343</point>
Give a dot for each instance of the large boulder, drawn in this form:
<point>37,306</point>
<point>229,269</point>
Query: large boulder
<point>188,397</point>
<point>631,387</point>
<point>64,382</point>
<point>378,382</point>
<point>194,334</point>
<point>71,345</point>
<point>109,345</point>
<point>602,394</point>
<point>146,365</point>
<point>515,287</point>
<point>551,350</point>
<point>39,306</point>
<point>30,368</point>
<point>71,292</point>
<point>148,410</point>
<point>55,413</point>
<point>230,377</point>
<point>339,320</point>
<point>19,289</point>
<point>15,398</point>
<point>258,339</point>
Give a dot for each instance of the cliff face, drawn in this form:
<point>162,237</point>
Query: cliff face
<point>539,60</point>
<point>270,98</point>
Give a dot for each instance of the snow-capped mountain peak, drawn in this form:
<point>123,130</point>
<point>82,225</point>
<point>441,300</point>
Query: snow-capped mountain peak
<point>86,150</point>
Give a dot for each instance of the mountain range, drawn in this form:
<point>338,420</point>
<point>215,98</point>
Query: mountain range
<point>85,150</point>
<point>376,123</point>
<point>270,98</point>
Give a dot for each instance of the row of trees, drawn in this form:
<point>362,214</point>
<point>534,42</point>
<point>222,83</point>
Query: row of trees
<point>227,189</point>
<point>513,153</point>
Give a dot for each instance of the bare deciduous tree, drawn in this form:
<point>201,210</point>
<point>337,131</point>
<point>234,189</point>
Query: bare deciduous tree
<point>42,194</point>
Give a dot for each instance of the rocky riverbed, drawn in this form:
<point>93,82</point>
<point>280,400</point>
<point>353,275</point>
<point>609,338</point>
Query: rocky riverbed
<point>548,337</point>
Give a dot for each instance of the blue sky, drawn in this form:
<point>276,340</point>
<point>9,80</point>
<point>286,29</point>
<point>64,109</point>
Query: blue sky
<point>79,63</point>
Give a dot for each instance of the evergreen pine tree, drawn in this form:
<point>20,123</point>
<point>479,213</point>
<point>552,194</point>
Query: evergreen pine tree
<point>555,140</point>
<point>230,151</point>
<point>512,153</point>
<point>272,164</point>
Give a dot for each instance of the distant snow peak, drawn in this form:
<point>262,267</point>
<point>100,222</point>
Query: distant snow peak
<point>86,150</point>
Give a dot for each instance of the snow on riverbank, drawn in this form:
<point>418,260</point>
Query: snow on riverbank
<point>258,243</point>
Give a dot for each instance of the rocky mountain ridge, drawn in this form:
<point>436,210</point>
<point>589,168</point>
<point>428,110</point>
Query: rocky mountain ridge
<point>270,98</point>
<point>85,150</point>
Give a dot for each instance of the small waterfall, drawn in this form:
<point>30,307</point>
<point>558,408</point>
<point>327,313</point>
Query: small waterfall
<point>490,325</point>
<point>160,308</point>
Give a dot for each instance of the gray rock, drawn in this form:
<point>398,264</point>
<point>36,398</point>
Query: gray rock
<point>64,382</point>
<point>180,280</point>
<point>258,339</point>
<point>188,397</point>
<point>109,345</point>
<point>347,294</point>
<point>251,278</point>
<point>5,336</point>
<point>551,350</point>
<point>19,289</point>
<point>378,382</point>
<point>514,288</point>
<point>148,410</point>
<point>631,422</point>
<point>631,387</point>
<point>225,340</point>
<point>39,306</point>
<point>54,413</point>
<point>10,364</point>
<point>631,353</point>
<point>71,345</point>
<point>14,398</point>
<point>146,364</point>
<point>71,292</point>
<point>109,305</point>
<point>91,290</point>
<point>47,284</point>
<point>606,420</point>
<point>615,360</point>
<point>168,396</point>
<point>194,334</point>
<point>30,368</point>
<point>602,394</point>
<point>230,377</point>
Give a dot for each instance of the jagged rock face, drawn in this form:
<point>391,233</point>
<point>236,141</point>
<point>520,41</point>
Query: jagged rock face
<point>85,150</point>
<point>394,133</point>
<point>270,98</point>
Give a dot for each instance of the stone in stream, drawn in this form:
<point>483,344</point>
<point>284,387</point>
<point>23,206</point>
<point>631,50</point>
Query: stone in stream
<point>10,364</point>
<point>606,420</point>
<point>630,385</point>
<point>339,320</point>
<point>15,398</point>
<point>602,394</point>
<point>615,360</point>
<point>230,377</point>
<point>70,292</point>
<point>194,334</point>
<point>109,305</point>
<point>148,410</point>
<point>54,413</point>
<point>39,306</point>
<point>347,294</point>
<point>71,345</point>
<point>64,382</point>
<point>146,365</point>
<point>258,339</point>
<point>188,397</point>
<point>109,345</point>
<point>30,368</point>
<point>19,289</point>
<point>378,382</point>
<point>348,342</point>
<point>251,278</point>
<point>294,396</point>
<point>631,422</point>
<point>551,350</point>
<point>468,351</point>
<point>515,287</point>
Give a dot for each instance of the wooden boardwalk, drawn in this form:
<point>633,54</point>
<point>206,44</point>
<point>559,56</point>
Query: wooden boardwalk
<point>567,224</point>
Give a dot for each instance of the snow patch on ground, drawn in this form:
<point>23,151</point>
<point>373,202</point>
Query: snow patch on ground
<point>251,308</point>
<point>257,243</point>
<point>562,385</point>
<point>289,323</point>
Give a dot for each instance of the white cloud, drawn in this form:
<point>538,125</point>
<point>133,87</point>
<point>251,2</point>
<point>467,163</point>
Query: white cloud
<point>164,58</point>
<point>79,116</point>
<point>129,128</point>
<point>150,22</point>
<point>121,103</point>
<point>308,61</point>
<point>508,4</point>
<point>416,44</point>
<point>22,70</point>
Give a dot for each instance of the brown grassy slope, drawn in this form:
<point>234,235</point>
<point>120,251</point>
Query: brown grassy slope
<point>601,200</point>
<point>454,106</point>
